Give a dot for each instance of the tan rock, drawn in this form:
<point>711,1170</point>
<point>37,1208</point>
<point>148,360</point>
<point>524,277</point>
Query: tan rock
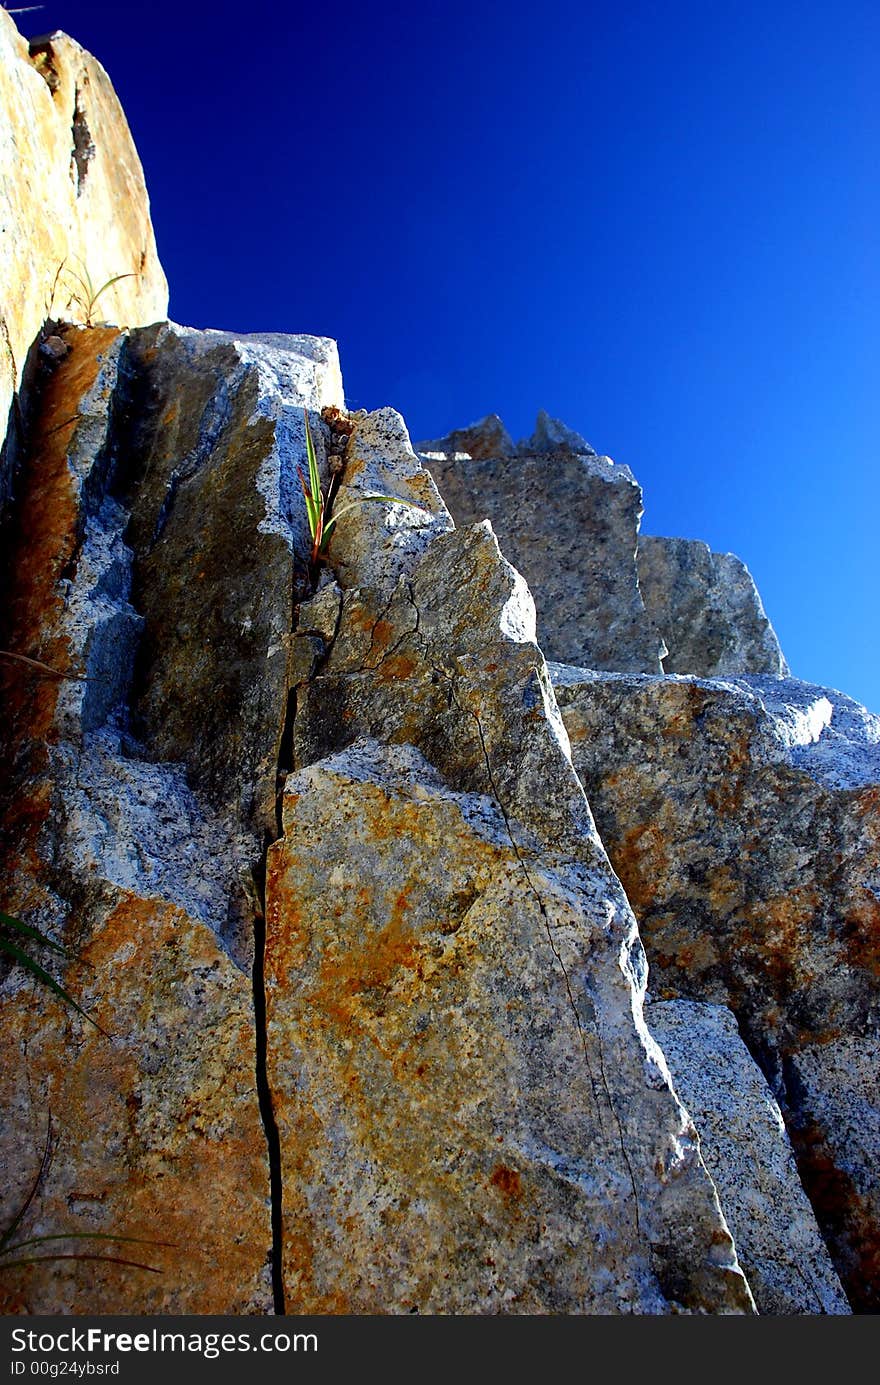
<point>155,1130</point>
<point>470,1121</point>
<point>72,201</point>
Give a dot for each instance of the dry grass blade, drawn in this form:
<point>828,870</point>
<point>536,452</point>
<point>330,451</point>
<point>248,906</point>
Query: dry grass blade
<point>10,1247</point>
<point>30,965</point>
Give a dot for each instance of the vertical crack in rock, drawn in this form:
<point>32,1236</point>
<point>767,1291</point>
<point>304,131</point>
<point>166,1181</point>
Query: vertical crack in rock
<point>267,1109</point>
<point>83,145</point>
<point>155,496</point>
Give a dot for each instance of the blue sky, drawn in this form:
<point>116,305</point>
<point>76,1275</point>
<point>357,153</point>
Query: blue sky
<point>657,221</point>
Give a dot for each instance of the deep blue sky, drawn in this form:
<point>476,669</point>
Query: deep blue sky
<point>659,221</point>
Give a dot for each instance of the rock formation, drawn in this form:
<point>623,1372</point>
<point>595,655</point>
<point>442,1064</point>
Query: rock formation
<point>748,1153</point>
<point>74,212</point>
<point>742,819</point>
<point>355,890</point>
<point>568,521</point>
<point>708,610</point>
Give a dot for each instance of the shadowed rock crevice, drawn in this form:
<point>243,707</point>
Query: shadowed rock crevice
<point>83,144</point>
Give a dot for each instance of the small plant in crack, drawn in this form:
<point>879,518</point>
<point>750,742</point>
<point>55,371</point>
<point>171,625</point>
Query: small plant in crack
<point>319,509</point>
<point>84,294</point>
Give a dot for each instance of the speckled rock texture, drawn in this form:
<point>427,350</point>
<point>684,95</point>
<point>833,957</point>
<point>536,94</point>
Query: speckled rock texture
<point>472,1115</point>
<point>568,520</point>
<point>152,560</point>
<point>72,203</point>
<point>743,819</point>
<point>748,1153</point>
<point>707,608</point>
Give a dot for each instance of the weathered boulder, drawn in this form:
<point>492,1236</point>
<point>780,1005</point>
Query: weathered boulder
<point>747,1151</point>
<point>73,208</point>
<point>488,437</point>
<point>707,609</point>
<point>568,521</point>
<point>742,819</point>
<point>472,1115</point>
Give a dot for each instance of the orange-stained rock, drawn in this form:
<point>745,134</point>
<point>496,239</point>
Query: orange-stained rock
<point>472,1115</point>
<point>155,1123</point>
<point>471,1118</point>
<point>155,1130</point>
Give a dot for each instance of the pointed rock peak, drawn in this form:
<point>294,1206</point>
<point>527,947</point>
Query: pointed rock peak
<point>552,435</point>
<point>488,437</point>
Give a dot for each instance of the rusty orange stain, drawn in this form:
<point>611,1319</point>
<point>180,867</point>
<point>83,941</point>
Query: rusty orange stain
<point>508,1182</point>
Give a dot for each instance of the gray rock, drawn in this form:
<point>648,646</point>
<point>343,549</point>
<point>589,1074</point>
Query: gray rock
<point>552,435</point>
<point>742,819</point>
<point>488,437</point>
<point>461,758</point>
<point>707,609</point>
<point>835,1089</point>
<point>568,521</point>
<point>214,431</point>
<point>747,1151</point>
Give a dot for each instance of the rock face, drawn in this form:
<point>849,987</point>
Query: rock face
<point>153,559</point>
<point>747,1151</point>
<point>568,521</point>
<point>418,1003</point>
<point>707,608</point>
<point>443,934</point>
<point>148,451</point>
<point>742,818</point>
<point>73,208</point>
<point>152,1121</point>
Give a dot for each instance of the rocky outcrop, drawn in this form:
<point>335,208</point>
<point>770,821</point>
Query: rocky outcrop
<point>73,210</point>
<point>748,1153</point>
<point>606,598</point>
<point>159,544</point>
<point>707,608</point>
<point>352,1008</point>
<point>424,982</point>
<point>138,789</point>
<point>742,819</point>
<point>568,521</point>
<point>471,1114</point>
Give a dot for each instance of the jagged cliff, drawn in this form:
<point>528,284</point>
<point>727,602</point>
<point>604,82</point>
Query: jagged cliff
<point>357,889</point>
